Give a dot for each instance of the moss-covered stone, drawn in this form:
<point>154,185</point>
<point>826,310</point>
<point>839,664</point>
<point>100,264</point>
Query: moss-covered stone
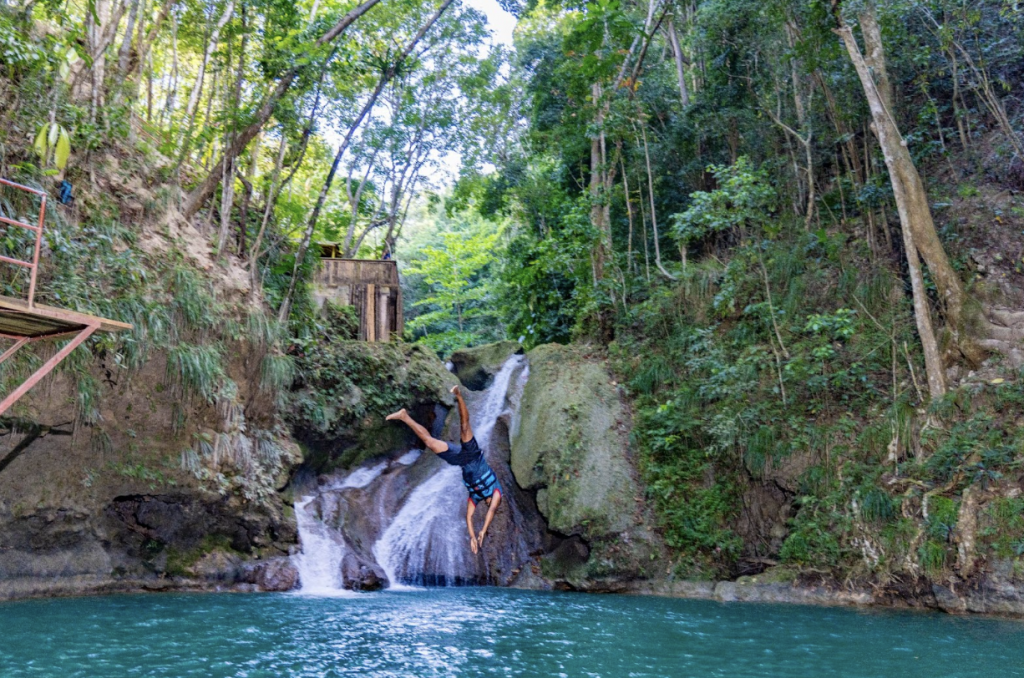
<point>571,444</point>
<point>338,413</point>
<point>475,367</point>
<point>185,563</point>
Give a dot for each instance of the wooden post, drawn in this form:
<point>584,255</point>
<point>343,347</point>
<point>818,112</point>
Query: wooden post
<point>383,297</point>
<point>399,315</point>
<point>371,312</point>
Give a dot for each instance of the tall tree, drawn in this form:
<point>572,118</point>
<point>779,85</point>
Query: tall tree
<point>202,192</point>
<point>919,233</point>
<point>386,76</point>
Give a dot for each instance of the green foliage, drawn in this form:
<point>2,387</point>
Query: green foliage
<point>1003,529</point>
<point>347,381</point>
<point>815,537</point>
<point>342,322</point>
<point>180,563</point>
<point>16,52</point>
<point>193,305</point>
<point>197,369</point>
<point>721,403</point>
<point>277,372</point>
<point>942,516</point>
<point>452,282</point>
<point>744,199</point>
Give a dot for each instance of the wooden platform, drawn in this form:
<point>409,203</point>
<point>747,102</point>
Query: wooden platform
<point>24,321</point>
<point>18,320</point>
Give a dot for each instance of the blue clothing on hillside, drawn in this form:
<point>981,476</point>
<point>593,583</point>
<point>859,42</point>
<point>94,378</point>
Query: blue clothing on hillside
<point>477,476</point>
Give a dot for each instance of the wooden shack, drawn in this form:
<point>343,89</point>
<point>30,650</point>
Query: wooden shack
<point>371,286</point>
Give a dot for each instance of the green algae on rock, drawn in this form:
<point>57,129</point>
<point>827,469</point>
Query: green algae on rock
<point>571,447</point>
<point>350,386</point>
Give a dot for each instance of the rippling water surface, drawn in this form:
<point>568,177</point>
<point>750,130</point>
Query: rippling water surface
<point>488,632</point>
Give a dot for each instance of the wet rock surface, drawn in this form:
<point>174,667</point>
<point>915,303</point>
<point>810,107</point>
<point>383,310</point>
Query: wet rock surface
<point>475,367</point>
<point>272,574</point>
<point>362,574</point>
<point>403,518</point>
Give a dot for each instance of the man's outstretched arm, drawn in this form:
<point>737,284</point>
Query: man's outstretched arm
<point>470,510</point>
<point>432,443</point>
<point>465,427</point>
<point>495,501</point>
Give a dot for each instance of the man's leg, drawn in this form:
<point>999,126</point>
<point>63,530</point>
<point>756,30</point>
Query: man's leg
<point>470,510</point>
<point>466,430</point>
<point>495,502</point>
<point>433,444</point>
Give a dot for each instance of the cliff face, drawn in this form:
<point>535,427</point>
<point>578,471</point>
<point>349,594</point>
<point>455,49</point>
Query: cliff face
<point>117,506</point>
<point>151,458</point>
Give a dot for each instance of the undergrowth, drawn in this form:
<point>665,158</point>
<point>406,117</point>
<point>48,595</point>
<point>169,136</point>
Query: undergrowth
<point>793,363</point>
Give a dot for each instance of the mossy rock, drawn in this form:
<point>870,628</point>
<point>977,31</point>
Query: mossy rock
<point>338,414</point>
<point>475,367</point>
<point>571,444</point>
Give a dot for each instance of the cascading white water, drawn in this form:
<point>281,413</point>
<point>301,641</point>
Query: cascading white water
<point>319,562</point>
<point>427,541</point>
<point>323,547</point>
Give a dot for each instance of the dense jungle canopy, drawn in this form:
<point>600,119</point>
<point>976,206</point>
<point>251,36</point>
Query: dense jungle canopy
<point>795,229</point>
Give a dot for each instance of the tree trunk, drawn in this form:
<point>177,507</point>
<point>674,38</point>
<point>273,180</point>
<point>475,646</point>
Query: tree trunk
<point>901,167</point>
<point>677,53</point>
<point>268,209</point>
<point>146,44</point>
<point>353,201</point>
<point>173,90</point>
<point>207,186</point>
<point>932,359</point>
<point>124,52</point>
<point>595,191</point>
<point>914,212</point>
<point>654,218</point>
<point>193,99</point>
<point>229,185</point>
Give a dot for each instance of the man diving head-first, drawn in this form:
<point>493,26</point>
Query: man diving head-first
<point>478,477</point>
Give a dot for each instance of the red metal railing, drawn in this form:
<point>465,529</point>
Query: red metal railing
<point>33,265</point>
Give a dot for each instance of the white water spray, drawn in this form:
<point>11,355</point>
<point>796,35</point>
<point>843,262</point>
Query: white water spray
<point>426,542</point>
<point>323,547</point>
<point>319,562</point>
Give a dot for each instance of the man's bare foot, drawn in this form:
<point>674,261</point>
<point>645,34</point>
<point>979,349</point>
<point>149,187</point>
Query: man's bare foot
<point>400,415</point>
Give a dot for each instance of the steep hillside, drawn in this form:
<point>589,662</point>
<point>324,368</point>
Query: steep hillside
<point>151,458</point>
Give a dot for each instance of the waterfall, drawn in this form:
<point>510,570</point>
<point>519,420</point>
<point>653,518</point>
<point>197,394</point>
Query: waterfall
<point>427,542</point>
<point>323,547</point>
<point>319,562</point>
<point>407,514</point>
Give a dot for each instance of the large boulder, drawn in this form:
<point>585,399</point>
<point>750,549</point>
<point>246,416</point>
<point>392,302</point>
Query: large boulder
<point>571,447</point>
<point>338,413</point>
<point>362,574</point>
<point>272,574</point>
<point>475,367</point>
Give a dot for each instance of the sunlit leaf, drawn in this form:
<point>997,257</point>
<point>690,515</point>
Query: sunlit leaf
<point>63,149</point>
<point>40,143</point>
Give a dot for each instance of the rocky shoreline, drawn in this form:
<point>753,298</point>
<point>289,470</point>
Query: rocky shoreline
<point>990,597</point>
<point>569,456</point>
